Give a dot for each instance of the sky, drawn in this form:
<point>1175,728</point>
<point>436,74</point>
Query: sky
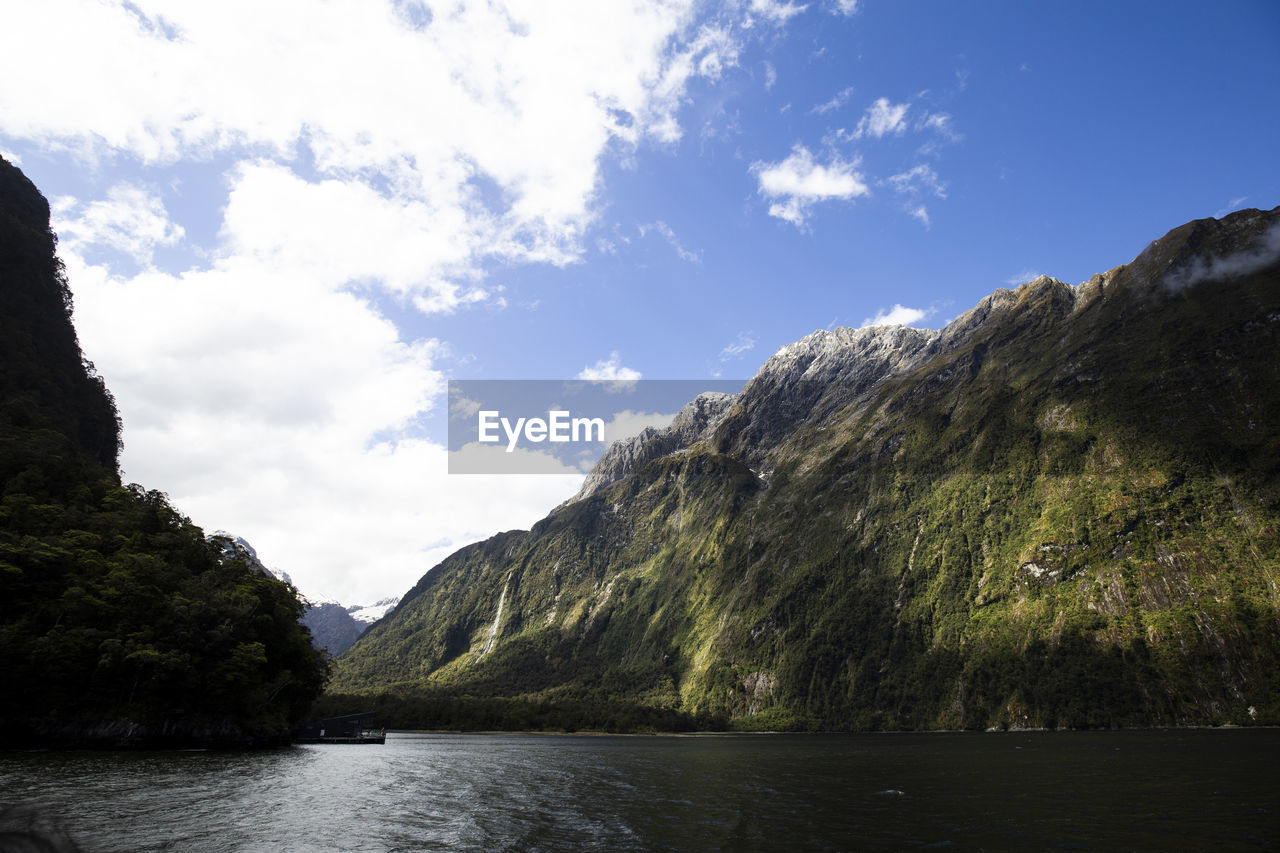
<point>287,225</point>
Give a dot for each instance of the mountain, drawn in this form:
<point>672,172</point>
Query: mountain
<point>367,614</point>
<point>333,626</point>
<point>119,623</point>
<point>1060,510</point>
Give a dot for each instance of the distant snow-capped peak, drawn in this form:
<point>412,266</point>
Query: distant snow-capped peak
<point>370,613</point>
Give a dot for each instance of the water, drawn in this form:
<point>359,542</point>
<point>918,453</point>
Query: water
<point>1181,790</point>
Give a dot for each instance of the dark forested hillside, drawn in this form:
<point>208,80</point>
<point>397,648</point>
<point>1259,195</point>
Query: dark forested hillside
<point>119,623</point>
<point>1061,510</point>
<point>47,384</point>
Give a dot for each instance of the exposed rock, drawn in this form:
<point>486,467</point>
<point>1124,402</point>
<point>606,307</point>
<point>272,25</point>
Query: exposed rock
<point>693,423</point>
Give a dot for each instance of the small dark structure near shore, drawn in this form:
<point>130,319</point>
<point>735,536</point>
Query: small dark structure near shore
<point>348,729</point>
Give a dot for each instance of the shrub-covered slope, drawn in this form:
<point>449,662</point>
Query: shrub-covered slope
<point>1060,510</point>
<point>119,623</point>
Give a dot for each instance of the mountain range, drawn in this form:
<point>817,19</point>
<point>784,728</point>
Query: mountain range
<point>1060,510</point>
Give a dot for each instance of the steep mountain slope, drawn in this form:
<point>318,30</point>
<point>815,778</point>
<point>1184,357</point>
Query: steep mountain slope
<point>119,623</point>
<point>46,382</point>
<point>332,627</point>
<point>1060,510</point>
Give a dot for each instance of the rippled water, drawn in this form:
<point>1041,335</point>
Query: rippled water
<point>1185,790</point>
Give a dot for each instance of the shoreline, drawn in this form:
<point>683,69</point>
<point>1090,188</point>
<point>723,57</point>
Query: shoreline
<point>188,744</point>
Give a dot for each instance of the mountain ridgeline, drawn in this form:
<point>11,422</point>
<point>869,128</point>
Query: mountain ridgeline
<point>120,624</point>
<point>1061,510</point>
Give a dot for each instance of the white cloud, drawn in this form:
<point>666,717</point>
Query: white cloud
<point>264,390</point>
<point>261,402</point>
<point>609,370</point>
<point>664,230</point>
<point>882,118</point>
<point>845,7</point>
<point>364,91</point>
<point>462,407</point>
<point>130,220</point>
<point>745,342</point>
<point>921,213</point>
<point>837,101</point>
<point>798,182</point>
<point>476,458</point>
<point>627,423</point>
<point>898,315</point>
<point>775,11</point>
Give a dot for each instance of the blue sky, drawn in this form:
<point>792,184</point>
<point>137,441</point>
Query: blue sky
<point>287,225</point>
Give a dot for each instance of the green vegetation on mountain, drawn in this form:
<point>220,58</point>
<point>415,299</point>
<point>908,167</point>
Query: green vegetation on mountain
<point>119,622</point>
<point>1062,510</point>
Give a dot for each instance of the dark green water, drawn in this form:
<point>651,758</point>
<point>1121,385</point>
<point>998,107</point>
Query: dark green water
<point>1181,790</point>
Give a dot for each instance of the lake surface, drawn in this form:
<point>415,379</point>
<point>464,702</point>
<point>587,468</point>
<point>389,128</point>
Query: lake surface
<point>1156,790</point>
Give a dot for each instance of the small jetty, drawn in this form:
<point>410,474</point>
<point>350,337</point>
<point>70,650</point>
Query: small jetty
<point>349,729</point>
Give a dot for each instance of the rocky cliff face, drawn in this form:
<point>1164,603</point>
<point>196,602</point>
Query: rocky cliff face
<point>693,423</point>
<point>1061,510</point>
<point>45,380</point>
<point>332,627</point>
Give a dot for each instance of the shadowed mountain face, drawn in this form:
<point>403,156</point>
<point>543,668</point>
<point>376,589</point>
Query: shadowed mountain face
<point>119,624</point>
<point>46,383</point>
<point>1060,510</point>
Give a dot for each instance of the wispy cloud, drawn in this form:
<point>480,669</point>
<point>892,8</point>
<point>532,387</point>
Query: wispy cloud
<point>745,342</point>
<point>837,101</point>
<point>1264,252</point>
<point>844,7</point>
<point>921,179</point>
<point>799,182</point>
<point>130,220</point>
<point>1027,274</point>
<point>882,118</point>
<point>775,11</point>
<point>1232,206</point>
<point>941,124</point>
<point>664,230</point>
<point>914,183</point>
